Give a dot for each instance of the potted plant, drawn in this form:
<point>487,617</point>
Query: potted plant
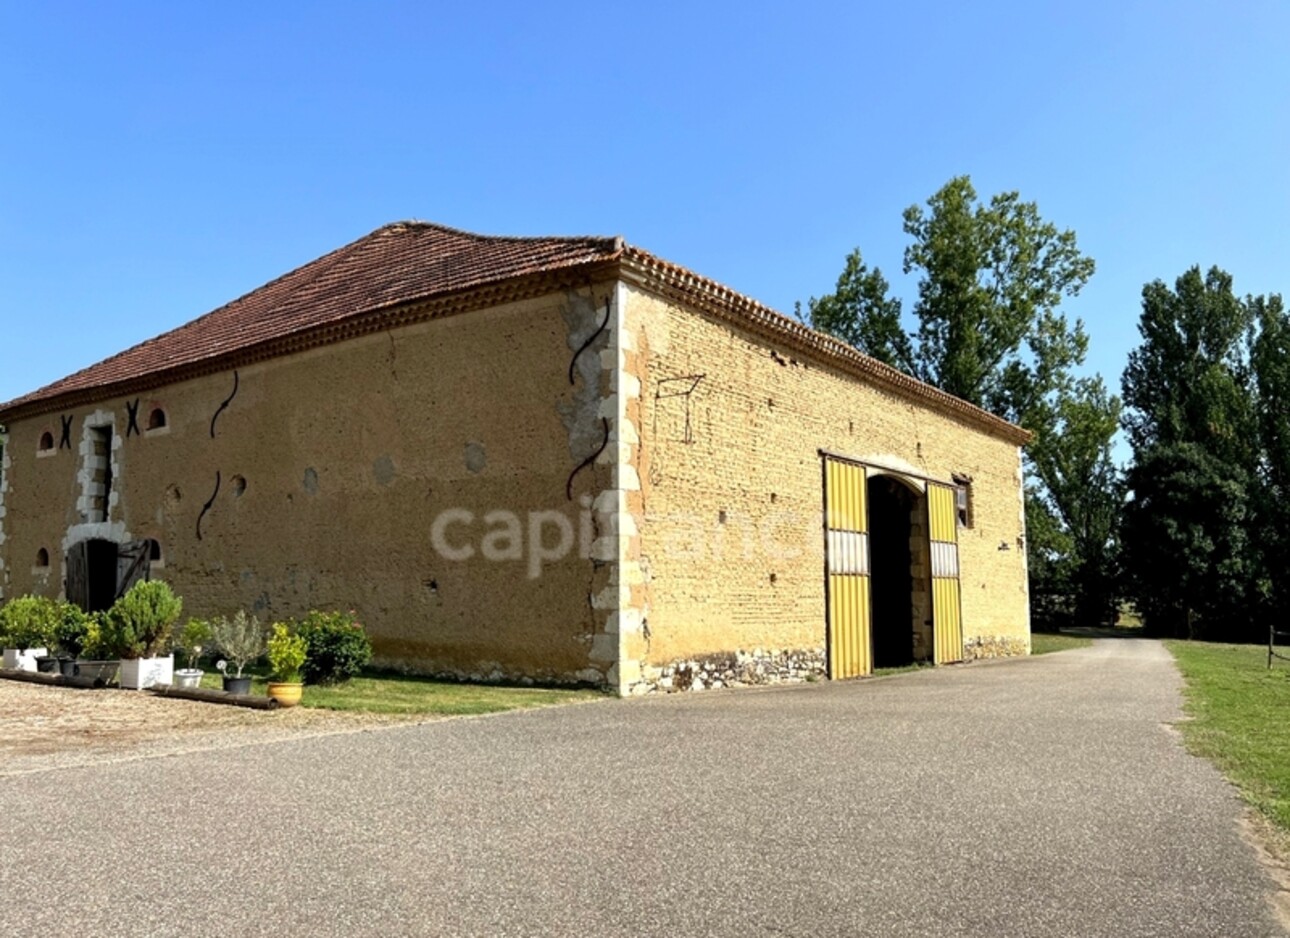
<point>70,633</point>
<point>28,623</point>
<point>287,652</point>
<point>195,635</point>
<point>97,653</point>
<point>139,625</point>
<point>241,639</point>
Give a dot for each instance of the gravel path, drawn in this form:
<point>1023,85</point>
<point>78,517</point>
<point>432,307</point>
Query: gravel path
<point>43,728</point>
<point>1040,797</point>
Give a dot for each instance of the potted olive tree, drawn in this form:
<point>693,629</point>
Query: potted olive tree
<point>28,624</point>
<point>240,638</point>
<point>140,624</point>
<point>287,652</point>
<point>195,636</point>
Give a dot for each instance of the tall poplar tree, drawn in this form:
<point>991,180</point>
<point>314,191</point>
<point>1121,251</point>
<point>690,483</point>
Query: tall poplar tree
<point>1191,417</point>
<point>989,329</point>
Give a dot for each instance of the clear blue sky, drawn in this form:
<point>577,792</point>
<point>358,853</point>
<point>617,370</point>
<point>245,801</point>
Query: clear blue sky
<point>159,159</point>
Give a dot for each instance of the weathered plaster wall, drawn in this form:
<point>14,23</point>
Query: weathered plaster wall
<point>326,470</point>
<point>732,494</point>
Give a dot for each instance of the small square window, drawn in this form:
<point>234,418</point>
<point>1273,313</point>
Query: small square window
<point>963,499</point>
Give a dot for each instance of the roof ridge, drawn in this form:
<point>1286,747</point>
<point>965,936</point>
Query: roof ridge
<point>479,236</point>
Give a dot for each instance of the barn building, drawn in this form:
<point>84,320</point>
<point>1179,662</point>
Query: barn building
<point>549,459</point>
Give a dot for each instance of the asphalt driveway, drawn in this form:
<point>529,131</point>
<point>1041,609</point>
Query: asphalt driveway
<point>1046,796</point>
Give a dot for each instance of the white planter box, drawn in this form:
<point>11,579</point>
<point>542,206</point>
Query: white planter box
<point>23,661</point>
<point>138,673</point>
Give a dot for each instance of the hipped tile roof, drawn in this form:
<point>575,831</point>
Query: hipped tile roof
<point>393,265</point>
<point>408,262</point>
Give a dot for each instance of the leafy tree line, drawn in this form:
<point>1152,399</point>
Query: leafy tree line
<point>1205,528</point>
<point>1196,531</point>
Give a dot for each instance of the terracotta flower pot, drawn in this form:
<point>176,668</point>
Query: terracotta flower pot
<point>285,693</point>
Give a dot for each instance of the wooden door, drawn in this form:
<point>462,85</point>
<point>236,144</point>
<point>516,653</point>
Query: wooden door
<point>133,563</point>
<point>78,575</point>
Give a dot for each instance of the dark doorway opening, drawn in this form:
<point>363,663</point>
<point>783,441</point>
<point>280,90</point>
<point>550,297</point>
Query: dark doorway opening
<point>100,575</point>
<point>99,572</point>
<point>891,506</point>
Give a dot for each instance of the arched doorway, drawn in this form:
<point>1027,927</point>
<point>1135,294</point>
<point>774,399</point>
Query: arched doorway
<point>881,586</point>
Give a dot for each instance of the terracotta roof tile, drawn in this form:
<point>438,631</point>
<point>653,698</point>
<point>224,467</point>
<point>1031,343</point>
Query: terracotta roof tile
<point>396,264</point>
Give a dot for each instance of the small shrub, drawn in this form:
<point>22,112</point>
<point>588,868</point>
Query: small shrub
<point>241,638</point>
<point>95,646</point>
<point>287,654</point>
<point>30,622</point>
<point>338,647</point>
<point>140,623</point>
<point>72,629</point>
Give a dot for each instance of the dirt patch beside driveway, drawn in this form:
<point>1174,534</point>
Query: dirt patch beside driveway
<point>53,727</point>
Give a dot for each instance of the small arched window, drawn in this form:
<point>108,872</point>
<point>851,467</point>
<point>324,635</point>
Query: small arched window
<point>46,441</point>
<point>154,550</point>
<point>42,558</point>
<point>156,419</point>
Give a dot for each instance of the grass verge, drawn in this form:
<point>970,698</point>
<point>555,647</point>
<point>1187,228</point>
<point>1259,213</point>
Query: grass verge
<point>1240,719</point>
<point>380,692</point>
<point>1044,643</point>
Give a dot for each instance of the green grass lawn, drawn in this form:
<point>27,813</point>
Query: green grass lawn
<point>1240,719</point>
<point>380,692</point>
<point>1043,643</point>
<point>400,693</point>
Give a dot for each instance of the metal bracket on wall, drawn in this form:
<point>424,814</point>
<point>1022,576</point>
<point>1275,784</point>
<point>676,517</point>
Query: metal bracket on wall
<point>682,387</point>
<point>228,400</point>
<point>586,345</point>
<point>207,507</point>
<point>132,418</point>
<point>568,486</point>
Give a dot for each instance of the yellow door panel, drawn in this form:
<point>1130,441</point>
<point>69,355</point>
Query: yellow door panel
<point>947,608</point>
<point>943,515</point>
<point>847,557</point>
<point>946,622</point>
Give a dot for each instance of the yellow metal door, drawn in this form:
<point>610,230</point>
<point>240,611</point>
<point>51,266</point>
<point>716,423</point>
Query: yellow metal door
<point>846,526</point>
<point>947,610</point>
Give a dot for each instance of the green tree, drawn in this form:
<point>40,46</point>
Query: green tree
<point>989,330</point>
<point>860,313</point>
<point>1187,552</point>
<point>1190,381</point>
<point>991,280</point>
<point>1192,423</point>
<point>1081,488</point>
<point>1271,366</point>
<point>1050,555</point>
